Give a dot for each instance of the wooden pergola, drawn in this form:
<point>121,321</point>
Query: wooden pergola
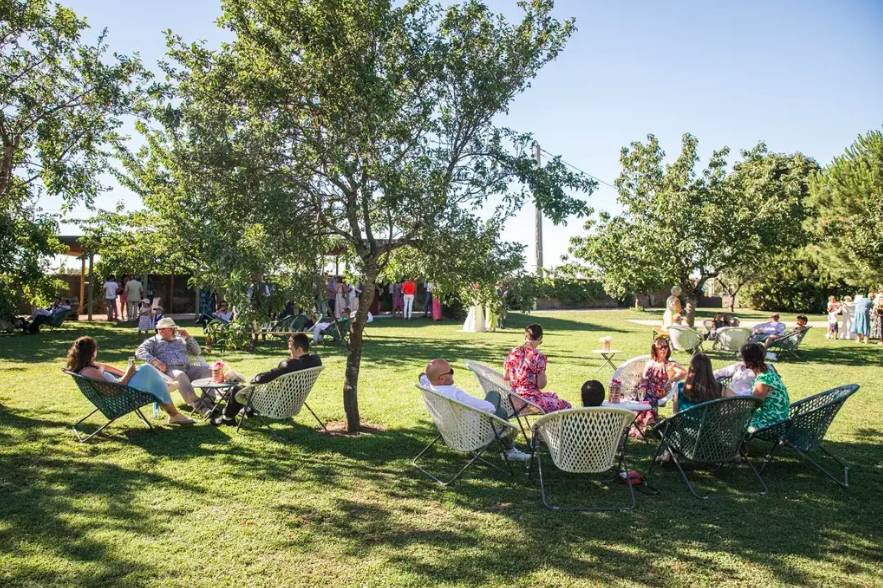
<point>75,249</point>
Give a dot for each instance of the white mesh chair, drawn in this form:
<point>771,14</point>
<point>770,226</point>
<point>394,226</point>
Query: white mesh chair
<point>464,429</point>
<point>583,441</point>
<point>731,339</point>
<point>630,374</point>
<point>515,406</point>
<point>684,339</point>
<point>281,398</point>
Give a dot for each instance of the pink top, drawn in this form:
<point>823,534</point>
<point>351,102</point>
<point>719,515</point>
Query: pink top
<point>524,365</point>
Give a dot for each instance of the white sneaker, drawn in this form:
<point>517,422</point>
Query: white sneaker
<point>771,356</point>
<point>515,454</point>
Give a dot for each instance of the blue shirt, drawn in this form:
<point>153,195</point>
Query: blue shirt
<point>172,353</point>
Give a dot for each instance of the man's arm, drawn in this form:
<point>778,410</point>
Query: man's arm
<point>146,349</point>
<point>726,372</point>
<point>284,367</point>
<point>192,345</point>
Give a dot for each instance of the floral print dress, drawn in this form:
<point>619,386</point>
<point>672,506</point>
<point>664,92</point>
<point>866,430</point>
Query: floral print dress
<point>524,366</point>
<point>775,406</point>
<point>652,387</point>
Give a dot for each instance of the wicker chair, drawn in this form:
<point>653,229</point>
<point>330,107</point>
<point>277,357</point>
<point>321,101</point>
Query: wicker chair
<point>805,428</point>
<point>684,339</point>
<point>110,399</point>
<point>281,398</point>
<point>584,441</point>
<point>514,405</point>
<point>464,429</point>
<point>731,339</point>
<point>629,374</point>
<point>788,344</point>
<point>708,433</point>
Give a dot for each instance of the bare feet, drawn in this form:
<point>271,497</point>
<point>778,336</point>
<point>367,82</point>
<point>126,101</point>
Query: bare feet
<point>180,419</point>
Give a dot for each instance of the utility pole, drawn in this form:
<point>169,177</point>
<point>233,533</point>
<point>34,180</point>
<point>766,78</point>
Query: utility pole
<point>538,221</point>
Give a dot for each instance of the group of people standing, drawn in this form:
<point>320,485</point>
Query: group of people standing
<point>861,318</point>
<point>340,296</point>
<point>122,300</point>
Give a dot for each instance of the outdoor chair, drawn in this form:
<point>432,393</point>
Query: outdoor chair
<point>788,344</point>
<point>804,429</point>
<point>338,333</point>
<point>731,339</point>
<point>711,433</point>
<point>281,398</point>
<point>514,405</point>
<point>629,375</point>
<point>583,441</point>
<point>110,399</point>
<point>464,429</point>
<point>684,339</point>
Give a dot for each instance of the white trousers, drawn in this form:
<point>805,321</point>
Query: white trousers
<point>409,305</point>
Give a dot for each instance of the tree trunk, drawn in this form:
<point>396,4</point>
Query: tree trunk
<point>354,359</point>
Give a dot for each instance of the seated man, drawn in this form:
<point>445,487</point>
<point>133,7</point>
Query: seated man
<point>439,377</point>
<point>41,316</point>
<point>773,327</point>
<point>299,358</point>
<point>223,313</point>
<point>320,327</point>
<point>168,352</point>
<point>800,327</point>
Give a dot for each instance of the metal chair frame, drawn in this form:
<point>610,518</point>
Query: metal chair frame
<point>789,343</point>
<point>805,428</point>
<point>272,388</point>
<point>111,400</point>
<point>694,435</point>
<point>515,406</point>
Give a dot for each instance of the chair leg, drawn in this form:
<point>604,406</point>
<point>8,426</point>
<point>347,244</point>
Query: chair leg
<point>143,418</point>
<point>684,477</point>
<point>551,506</point>
<point>321,424</point>
<point>244,412</point>
<point>80,437</point>
<point>842,483</point>
<point>475,457</point>
<point>754,469</point>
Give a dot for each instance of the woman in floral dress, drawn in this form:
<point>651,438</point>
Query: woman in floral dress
<point>659,374</point>
<point>768,387</point>
<point>525,370</point>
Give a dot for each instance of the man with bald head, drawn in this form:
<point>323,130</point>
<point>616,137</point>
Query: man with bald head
<point>439,377</point>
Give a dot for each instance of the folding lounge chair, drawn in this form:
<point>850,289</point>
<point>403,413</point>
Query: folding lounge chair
<point>584,441</point>
<point>789,344</point>
<point>281,398</point>
<point>711,433</point>
<point>805,428</point>
<point>514,405</point>
<point>110,399</point>
<point>731,339</point>
<point>464,429</point>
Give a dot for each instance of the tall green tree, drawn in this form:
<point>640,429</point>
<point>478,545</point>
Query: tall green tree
<point>369,122</point>
<point>848,221</point>
<point>682,227</point>
<point>61,100</point>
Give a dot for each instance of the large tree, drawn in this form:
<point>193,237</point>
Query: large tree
<point>681,227</point>
<point>61,99</point>
<point>367,125</point>
<point>848,220</point>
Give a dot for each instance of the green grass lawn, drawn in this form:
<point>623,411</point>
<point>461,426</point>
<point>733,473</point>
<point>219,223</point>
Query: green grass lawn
<point>287,505</point>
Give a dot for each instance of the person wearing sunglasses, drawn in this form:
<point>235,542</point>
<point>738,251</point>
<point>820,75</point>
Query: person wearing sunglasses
<point>659,375</point>
<point>439,377</point>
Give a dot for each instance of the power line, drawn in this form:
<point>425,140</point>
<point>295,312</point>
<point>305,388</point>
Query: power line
<point>568,164</point>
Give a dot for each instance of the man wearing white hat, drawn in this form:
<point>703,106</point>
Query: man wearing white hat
<point>168,352</point>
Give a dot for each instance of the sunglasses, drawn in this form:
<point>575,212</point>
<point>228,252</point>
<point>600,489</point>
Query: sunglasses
<point>448,373</point>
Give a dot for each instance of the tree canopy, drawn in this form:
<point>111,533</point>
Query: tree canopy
<point>367,123</point>
<point>682,227</point>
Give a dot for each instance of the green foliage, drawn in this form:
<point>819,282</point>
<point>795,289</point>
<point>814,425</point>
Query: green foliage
<point>366,123</point>
<point>60,105</point>
<point>683,227</point>
<point>794,284</point>
<point>848,224</point>
<point>572,292</point>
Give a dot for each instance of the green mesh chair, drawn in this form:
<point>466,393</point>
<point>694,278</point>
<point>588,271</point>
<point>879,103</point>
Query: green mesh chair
<point>339,334</point>
<point>789,344</point>
<point>111,400</point>
<point>711,433</point>
<point>804,429</point>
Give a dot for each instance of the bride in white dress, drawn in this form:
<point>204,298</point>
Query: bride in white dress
<point>475,320</point>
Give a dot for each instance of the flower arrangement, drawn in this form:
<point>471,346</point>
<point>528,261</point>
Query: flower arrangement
<point>605,343</point>
<point>218,371</point>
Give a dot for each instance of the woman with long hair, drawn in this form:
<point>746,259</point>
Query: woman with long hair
<point>768,387</point>
<point>525,370</point>
<point>659,375</point>
<point>699,386</point>
<point>81,360</point>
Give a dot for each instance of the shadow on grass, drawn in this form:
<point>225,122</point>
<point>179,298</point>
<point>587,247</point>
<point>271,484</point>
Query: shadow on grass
<point>853,355</point>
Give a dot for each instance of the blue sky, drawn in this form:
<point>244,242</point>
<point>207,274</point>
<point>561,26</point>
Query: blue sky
<point>801,75</point>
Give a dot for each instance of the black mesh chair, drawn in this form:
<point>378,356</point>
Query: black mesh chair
<point>789,344</point>
<point>711,433</point>
<point>112,400</point>
<point>804,429</point>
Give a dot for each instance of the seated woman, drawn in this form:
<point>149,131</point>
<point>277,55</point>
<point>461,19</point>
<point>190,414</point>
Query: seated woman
<point>768,387</point>
<point>699,385</point>
<point>525,370</point>
<point>659,375</point>
<point>740,375</point>
<point>223,313</point>
<point>81,360</point>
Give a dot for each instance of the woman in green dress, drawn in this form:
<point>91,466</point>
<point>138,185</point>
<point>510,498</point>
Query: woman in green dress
<point>768,387</point>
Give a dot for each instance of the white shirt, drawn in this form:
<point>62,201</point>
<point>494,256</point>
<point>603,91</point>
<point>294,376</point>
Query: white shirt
<point>134,290</point>
<point>455,393</point>
<point>742,378</point>
<point>110,289</point>
<point>770,328</point>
